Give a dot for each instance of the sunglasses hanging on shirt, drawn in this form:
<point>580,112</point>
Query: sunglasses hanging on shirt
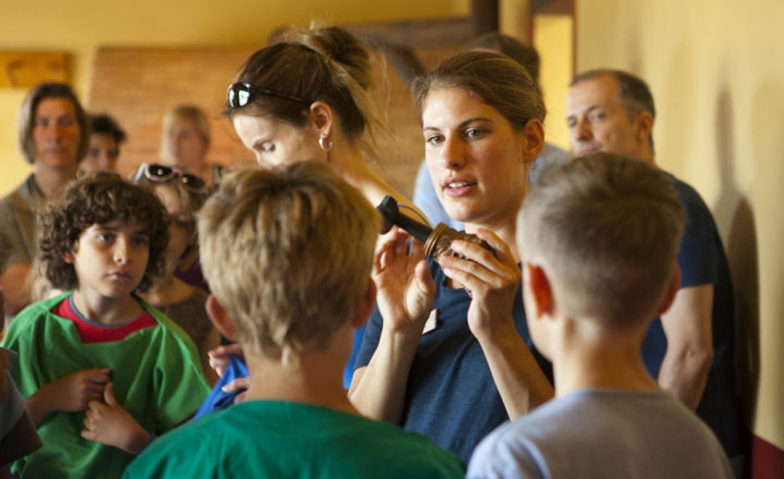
<point>157,173</point>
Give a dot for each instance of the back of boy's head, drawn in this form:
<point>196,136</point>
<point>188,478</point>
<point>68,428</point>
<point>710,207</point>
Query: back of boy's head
<point>288,254</point>
<point>607,228</point>
<point>97,199</point>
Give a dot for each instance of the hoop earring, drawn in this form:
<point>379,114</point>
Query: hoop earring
<point>321,141</point>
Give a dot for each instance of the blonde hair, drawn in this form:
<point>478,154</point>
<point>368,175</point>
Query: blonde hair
<point>608,228</point>
<point>191,113</point>
<point>325,64</point>
<point>288,253</point>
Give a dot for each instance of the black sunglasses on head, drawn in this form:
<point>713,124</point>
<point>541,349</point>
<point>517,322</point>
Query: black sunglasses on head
<point>158,173</point>
<point>240,94</point>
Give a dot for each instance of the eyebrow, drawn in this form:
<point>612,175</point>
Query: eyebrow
<point>105,227</point>
<point>587,110</point>
<point>462,124</point>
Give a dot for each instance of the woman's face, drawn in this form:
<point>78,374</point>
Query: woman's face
<point>183,146</point>
<point>180,226</point>
<point>277,142</point>
<point>56,133</point>
<point>478,163</point>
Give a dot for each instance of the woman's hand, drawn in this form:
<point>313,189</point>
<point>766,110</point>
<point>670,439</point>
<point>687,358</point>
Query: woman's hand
<point>405,287</point>
<point>493,282</point>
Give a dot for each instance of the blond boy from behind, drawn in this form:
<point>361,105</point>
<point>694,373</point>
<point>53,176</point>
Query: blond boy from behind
<point>599,241</point>
<point>288,254</point>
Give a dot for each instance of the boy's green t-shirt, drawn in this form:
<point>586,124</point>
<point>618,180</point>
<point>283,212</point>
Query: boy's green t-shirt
<point>156,374</point>
<point>274,439</point>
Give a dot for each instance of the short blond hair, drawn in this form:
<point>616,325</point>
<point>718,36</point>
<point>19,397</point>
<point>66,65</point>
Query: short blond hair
<point>192,113</point>
<point>608,228</point>
<point>288,253</point>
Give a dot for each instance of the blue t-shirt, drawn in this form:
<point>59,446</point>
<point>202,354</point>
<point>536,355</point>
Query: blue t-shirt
<point>702,261</point>
<point>451,396</point>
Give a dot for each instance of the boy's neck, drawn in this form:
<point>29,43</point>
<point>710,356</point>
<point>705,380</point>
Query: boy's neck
<point>599,359</point>
<point>103,310</point>
<point>317,379</point>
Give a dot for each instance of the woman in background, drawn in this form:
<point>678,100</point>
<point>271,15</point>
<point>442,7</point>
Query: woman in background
<point>53,136</point>
<point>185,141</point>
<point>183,195</point>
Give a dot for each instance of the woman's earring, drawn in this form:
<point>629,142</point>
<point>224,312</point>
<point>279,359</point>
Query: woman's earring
<point>325,139</point>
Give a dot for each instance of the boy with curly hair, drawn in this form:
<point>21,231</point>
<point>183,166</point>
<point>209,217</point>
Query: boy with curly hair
<point>98,366</point>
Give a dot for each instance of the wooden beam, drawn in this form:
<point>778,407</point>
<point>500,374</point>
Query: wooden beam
<point>485,16</point>
<point>27,69</point>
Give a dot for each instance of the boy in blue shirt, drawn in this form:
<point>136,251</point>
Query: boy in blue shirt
<point>102,371</point>
<point>288,254</point>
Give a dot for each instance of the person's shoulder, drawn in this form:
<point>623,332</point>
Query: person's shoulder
<point>179,452</point>
<point>33,316</point>
<point>166,326</point>
<point>506,452</point>
<point>554,154</point>
<point>419,457</point>
<point>690,197</point>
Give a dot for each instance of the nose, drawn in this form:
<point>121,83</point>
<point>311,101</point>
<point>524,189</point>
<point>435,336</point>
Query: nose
<point>121,252</point>
<point>452,154</point>
<point>54,132</point>
<point>582,131</point>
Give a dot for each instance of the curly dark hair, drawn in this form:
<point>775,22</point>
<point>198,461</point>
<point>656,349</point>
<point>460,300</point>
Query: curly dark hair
<point>96,199</point>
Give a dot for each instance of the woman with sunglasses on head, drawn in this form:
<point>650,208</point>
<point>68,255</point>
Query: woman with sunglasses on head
<point>312,97</point>
<point>182,194</point>
<point>53,136</point>
<point>185,141</point>
<point>447,353</point>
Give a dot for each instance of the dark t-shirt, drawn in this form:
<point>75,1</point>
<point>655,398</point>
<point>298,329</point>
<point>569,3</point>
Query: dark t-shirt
<point>451,396</point>
<point>702,261</point>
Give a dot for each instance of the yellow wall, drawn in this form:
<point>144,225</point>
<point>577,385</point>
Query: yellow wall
<point>553,40</point>
<point>79,26</point>
<point>716,68</point>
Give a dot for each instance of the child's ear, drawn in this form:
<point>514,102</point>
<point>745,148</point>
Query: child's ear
<point>220,318</point>
<point>672,290</point>
<point>539,290</point>
<point>365,308</point>
<point>69,256</point>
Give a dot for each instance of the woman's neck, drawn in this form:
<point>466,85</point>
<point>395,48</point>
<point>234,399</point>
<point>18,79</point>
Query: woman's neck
<point>353,167</point>
<point>168,290</point>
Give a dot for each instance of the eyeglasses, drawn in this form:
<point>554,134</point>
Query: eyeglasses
<point>240,94</point>
<point>157,173</point>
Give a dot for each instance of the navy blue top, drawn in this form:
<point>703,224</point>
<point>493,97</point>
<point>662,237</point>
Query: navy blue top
<point>702,261</point>
<point>451,396</point>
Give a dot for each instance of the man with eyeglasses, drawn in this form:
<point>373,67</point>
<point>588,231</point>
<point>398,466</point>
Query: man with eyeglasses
<point>691,348</point>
